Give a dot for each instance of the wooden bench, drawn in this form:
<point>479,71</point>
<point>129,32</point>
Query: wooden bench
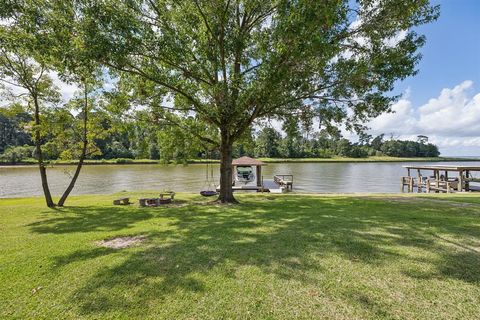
<point>121,202</point>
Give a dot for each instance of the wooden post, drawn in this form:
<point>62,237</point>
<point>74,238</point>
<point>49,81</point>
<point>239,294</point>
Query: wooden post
<point>419,182</point>
<point>427,186</point>
<point>259,176</point>
<point>460,181</point>
<point>234,173</point>
<point>467,183</point>
<point>437,179</point>
<point>410,186</point>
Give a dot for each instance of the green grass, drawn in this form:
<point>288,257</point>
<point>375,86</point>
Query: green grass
<point>271,257</point>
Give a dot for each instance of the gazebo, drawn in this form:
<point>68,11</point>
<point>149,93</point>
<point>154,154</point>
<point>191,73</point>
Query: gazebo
<point>249,162</point>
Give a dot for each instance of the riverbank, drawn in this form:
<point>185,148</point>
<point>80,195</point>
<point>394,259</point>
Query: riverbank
<point>272,256</point>
<point>369,159</point>
<point>124,161</point>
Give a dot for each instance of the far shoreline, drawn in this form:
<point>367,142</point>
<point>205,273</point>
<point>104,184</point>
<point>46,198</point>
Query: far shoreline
<point>123,161</point>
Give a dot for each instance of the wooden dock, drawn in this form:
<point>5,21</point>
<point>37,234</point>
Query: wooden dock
<point>284,180</point>
<point>272,186</point>
<point>444,178</point>
<point>279,184</point>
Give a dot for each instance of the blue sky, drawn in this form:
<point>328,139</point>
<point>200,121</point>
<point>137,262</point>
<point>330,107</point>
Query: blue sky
<point>452,52</point>
<point>443,100</point>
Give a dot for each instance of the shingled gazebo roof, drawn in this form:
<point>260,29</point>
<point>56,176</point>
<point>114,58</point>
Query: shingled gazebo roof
<point>247,161</point>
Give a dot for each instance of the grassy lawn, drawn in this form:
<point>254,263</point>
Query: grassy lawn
<point>271,257</point>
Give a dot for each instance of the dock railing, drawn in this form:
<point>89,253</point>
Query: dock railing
<point>445,178</point>
<point>430,184</point>
<point>284,180</point>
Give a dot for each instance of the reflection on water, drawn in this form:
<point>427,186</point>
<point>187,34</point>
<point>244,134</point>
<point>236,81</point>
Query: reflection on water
<point>104,179</point>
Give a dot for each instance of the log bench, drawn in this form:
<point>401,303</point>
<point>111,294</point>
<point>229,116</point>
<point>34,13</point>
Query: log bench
<point>148,202</point>
<point>121,202</point>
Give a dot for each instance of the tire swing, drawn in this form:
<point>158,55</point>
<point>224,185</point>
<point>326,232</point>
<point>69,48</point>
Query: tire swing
<point>209,185</point>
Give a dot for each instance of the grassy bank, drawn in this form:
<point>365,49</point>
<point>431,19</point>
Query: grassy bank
<point>369,159</point>
<point>267,160</point>
<point>271,257</point>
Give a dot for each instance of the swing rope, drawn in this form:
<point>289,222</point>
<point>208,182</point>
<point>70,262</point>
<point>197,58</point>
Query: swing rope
<point>209,182</point>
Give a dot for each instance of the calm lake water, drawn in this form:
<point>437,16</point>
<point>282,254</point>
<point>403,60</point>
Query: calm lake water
<point>22,181</point>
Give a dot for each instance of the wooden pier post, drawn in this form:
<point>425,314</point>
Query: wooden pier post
<point>460,181</point>
<point>259,175</point>
<point>420,181</point>
<point>467,181</point>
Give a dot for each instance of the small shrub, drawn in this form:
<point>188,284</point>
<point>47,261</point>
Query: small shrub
<point>17,154</point>
<point>324,153</point>
<point>123,161</point>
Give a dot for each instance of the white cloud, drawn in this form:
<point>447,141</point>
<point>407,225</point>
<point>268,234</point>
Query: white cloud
<point>393,41</point>
<point>451,120</point>
<point>402,121</point>
<point>453,113</point>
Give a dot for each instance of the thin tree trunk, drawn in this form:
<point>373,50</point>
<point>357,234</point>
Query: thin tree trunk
<point>82,155</point>
<point>226,191</point>
<point>39,154</point>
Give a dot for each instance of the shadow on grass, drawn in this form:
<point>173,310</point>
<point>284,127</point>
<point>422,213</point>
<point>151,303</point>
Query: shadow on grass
<point>89,219</point>
<point>287,238</point>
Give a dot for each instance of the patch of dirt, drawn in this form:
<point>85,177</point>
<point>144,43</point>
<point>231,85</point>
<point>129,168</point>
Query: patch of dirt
<point>121,242</point>
<point>175,204</point>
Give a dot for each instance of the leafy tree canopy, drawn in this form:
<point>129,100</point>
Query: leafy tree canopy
<point>230,62</point>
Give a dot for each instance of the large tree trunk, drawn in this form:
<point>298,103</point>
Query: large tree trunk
<point>39,154</point>
<point>226,174</point>
<point>82,155</point>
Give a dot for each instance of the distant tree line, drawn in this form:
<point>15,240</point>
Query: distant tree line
<point>12,132</point>
<point>136,138</point>
<point>324,144</point>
